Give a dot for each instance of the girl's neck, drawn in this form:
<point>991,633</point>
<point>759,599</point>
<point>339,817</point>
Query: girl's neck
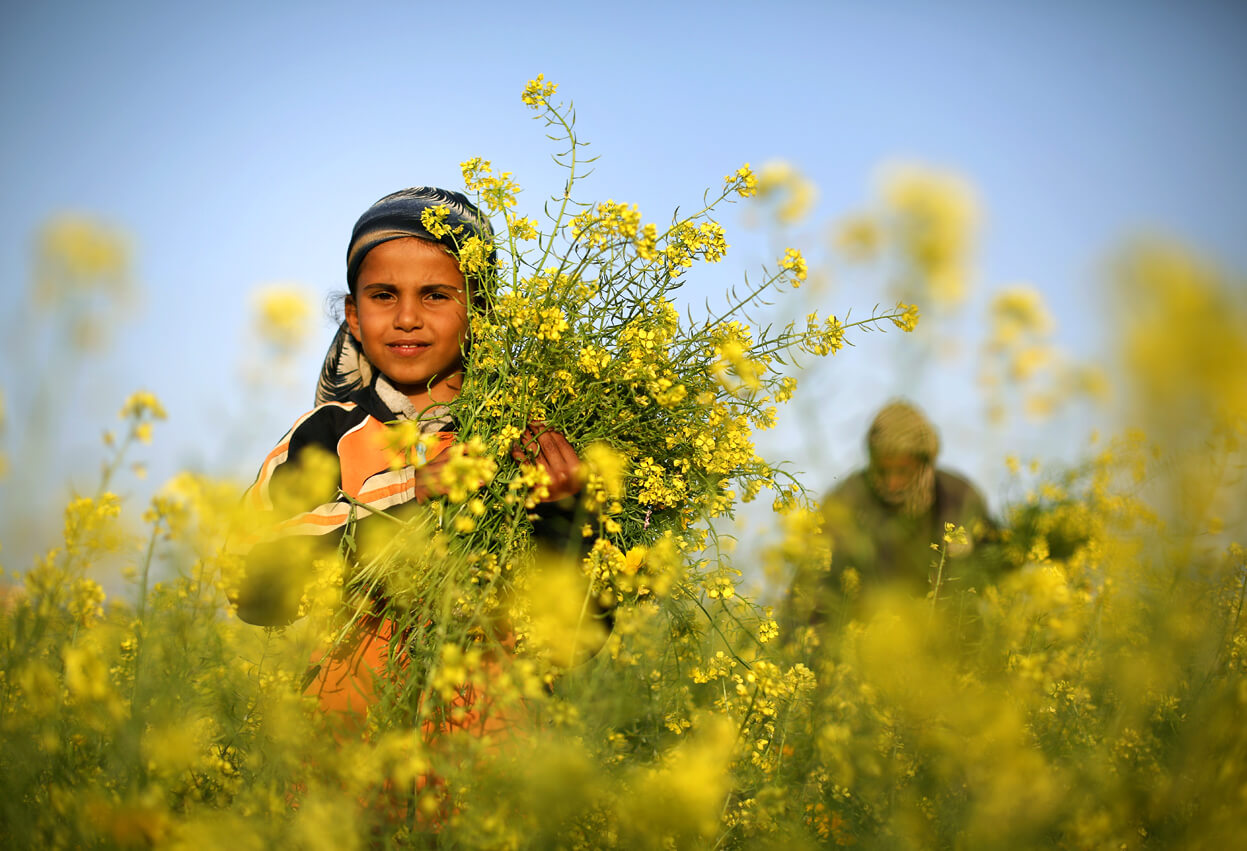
<point>420,400</point>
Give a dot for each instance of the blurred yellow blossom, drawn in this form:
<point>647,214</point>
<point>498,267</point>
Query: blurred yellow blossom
<point>1185,336</point>
<point>606,470</point>
<point>1019,311</point>
<point>554,605</point>
<point>82,270</point>
<point>91,525</point>
<point>1022,368</point>
<point>792,194</point>
<point>283,316</point>
<point>935,217</point>
<point>141,404</point>
<point>858,237</point>
<point>678,802</point>
<point>469,466</point>
<point>78,252</point>
<point>87,678</point>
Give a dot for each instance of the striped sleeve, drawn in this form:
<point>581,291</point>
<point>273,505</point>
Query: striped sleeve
<point>294,514</point>
<point>332,469</point>
<point>297,488</point>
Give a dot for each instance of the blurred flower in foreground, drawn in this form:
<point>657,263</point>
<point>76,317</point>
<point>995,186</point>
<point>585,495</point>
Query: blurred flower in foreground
<point>1183,336</point>
<point>283,316</point>
<point>934,215</point>
<point>791,192</point>
<point>1185,339</point>
<point>552,605</point>
<point>679,801</point>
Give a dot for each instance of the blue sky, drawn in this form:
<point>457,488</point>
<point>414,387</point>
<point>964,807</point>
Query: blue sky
<point>238,143</point>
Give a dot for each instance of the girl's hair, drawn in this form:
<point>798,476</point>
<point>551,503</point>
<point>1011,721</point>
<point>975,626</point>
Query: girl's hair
<point>400,214</point>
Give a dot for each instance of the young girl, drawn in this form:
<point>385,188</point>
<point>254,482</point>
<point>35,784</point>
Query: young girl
<point>398,356</point>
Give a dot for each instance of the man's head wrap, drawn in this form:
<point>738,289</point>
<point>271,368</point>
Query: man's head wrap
<point>397,215</point>
<point>901,429</point>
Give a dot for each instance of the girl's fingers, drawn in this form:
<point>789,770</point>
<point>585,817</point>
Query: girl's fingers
<point>561,454</point>
<point>428,478</point>
<point>527,447</point>
<point>550,450</point>
<point>517,452</point>
<point>561,463</point>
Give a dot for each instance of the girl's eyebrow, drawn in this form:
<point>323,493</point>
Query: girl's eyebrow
<point>384,285</point>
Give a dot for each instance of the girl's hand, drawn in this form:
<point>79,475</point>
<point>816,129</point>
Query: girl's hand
<point>429,479</point>
<point>551,451</point>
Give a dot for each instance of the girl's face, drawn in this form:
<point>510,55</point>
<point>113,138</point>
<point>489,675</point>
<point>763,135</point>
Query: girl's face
<point>409,313</point>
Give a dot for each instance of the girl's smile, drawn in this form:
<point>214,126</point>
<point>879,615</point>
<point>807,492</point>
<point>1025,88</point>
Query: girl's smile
<point>406,349</point>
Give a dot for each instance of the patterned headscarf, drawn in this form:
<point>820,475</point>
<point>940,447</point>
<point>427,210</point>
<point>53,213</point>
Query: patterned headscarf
<point>901,429</point>
<point>399,214</point>
<point>395,216</point>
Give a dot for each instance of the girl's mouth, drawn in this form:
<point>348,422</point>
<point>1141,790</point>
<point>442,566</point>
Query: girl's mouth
<point>407,349</point>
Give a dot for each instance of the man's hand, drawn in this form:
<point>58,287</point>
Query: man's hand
<point>550,450</point>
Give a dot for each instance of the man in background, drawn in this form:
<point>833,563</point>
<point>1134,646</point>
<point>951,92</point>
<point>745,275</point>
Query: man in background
<point>883,520</point>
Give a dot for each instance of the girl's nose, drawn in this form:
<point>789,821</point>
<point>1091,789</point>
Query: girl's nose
<point>408,314</point>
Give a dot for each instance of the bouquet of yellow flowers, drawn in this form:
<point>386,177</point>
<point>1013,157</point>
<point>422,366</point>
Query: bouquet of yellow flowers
<point>573,326</point>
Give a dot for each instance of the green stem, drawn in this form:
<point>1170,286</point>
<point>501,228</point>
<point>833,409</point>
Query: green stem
<point>567,190</point>
<point>726,641</point>
<point>141,607</point>
<point>939,578</point>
